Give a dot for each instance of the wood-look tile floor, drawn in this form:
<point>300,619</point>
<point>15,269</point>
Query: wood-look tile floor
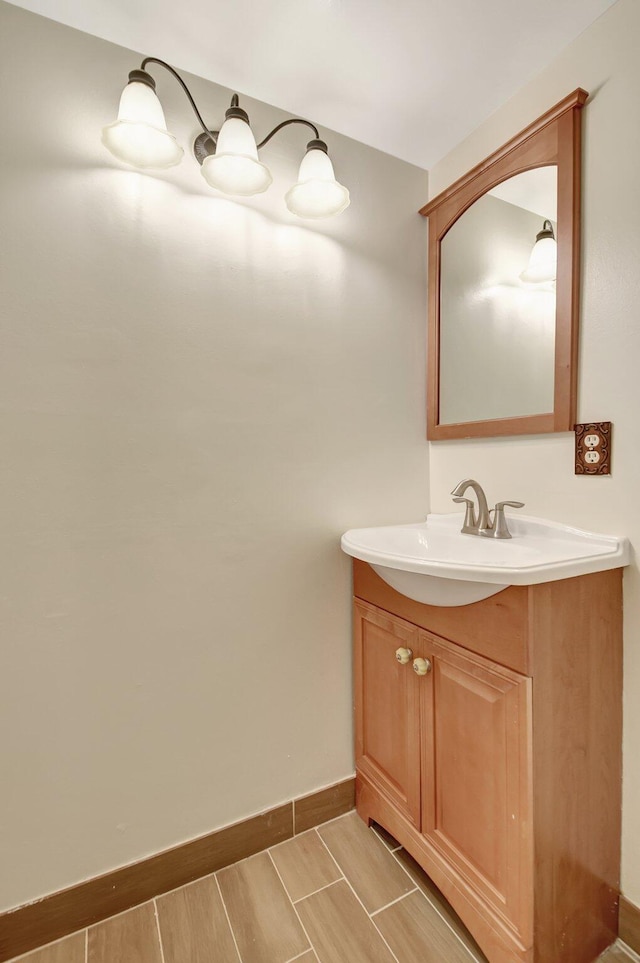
<point>340,893</point>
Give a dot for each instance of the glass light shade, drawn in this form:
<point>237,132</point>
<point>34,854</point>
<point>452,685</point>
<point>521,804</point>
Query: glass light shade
<point>139,136</point>
<point>235,168</point>
<point>317,193</point>
<point>542,263</point>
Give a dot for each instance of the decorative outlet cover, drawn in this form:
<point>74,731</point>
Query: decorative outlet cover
<point>593,448</point>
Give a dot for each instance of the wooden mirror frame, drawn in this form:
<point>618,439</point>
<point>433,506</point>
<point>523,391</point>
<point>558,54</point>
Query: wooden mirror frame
<point>553,139</point>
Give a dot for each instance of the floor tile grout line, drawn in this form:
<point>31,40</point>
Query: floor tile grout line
<point>300,955</point>
<point>439,912</point>
<point>310,829</point>
<point>471,952</point>
<point>293,905</point>
<point>283,842</point>
<point>239,862</point>
<point>327,822</point>
<point>391,849</point>
<point>107,919</point>
<point>393,902</point>
<point>155,912</point>
<point>386,849</point>
<point>326,846</point>
<point>214,872</point>
<point>226,913</point>
<point>259,852</point>
<point>191,882</point>
<point>383,939</point>
<point>319,890</point>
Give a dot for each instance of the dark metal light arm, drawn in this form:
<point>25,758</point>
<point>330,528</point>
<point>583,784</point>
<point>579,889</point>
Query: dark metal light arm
<point>285,123</point>
<point>201,147</point>
<point>154,60</point>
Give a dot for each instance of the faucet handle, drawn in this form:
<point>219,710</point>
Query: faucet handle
<point>469,524</point>
<point>500,527</point>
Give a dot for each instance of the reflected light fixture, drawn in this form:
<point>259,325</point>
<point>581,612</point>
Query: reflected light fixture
<point>228,157</point>
<point>543,262</point>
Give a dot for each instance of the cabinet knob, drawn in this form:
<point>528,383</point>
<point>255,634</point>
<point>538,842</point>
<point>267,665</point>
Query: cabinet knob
<point>403,655</point>
<point>421,666</point>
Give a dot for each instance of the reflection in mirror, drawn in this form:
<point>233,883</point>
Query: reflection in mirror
<point>502,351</point>
<point>498,303</point>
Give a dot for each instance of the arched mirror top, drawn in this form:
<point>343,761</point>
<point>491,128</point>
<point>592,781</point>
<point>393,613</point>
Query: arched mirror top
<point>503,286</point>
<point>527,195</point>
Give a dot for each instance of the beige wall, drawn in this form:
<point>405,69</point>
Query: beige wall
<point>539,470</point>
<point>197,397</point>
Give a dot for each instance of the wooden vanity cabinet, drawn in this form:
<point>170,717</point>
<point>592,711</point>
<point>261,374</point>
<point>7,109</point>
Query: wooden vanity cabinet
<point>388,732</point>
<point>499,769</point>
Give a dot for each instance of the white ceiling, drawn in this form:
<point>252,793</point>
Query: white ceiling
<point>410,77</point>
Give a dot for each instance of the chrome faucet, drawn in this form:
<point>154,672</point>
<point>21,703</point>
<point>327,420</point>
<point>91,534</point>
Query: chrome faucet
<point>482,524</point>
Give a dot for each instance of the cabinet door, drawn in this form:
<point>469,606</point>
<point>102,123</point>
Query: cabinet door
<point>387,707</point>
<point>476,808</point>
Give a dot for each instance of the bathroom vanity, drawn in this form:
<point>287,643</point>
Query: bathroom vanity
<point>488,668</point>
<point>488,742</point>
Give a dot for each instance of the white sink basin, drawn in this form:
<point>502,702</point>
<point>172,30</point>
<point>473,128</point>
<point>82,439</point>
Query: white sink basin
<point>433,562</point>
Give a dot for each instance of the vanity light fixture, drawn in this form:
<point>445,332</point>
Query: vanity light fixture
<point>228,157</point>
<point>543,262</point>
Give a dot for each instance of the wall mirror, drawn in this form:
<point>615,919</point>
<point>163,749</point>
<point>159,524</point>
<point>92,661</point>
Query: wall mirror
<point>503,286</point>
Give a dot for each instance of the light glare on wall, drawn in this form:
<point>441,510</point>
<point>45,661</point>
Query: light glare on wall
<point>228,157</point>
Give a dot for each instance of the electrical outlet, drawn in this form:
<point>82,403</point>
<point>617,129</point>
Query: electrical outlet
<point>593,448</point>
